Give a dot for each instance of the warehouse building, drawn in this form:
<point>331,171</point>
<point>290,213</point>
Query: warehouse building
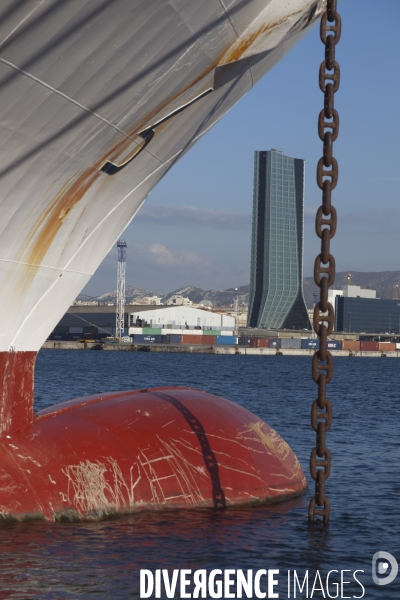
<point>88,321</point>
<point>178,317</point>
<point>94,322</point>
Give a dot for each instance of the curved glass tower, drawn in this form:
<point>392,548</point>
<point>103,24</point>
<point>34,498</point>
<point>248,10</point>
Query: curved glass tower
<point>276,270</point>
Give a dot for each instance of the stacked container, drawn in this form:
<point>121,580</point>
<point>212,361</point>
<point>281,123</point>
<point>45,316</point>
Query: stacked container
<point>226,340</point>
<point>57,336</point>
<point>310,344</point>
<point>369,346</point>
<point>352,345</point>
<point>147,339</point>
<point>274,343</point>
<point>61,329</point>
<point>291,343</point>
<point>191,339</point>
<point>387,346</point>
<point>207,340</point>
<point>74,337</point>
<point>259,343</point>
<point>152,331</point>
<point>76,330</point>
<point>333,345</point>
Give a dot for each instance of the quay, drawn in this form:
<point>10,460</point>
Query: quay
<point>208,349</point>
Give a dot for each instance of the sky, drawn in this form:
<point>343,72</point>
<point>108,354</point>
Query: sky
<point>195,227</point>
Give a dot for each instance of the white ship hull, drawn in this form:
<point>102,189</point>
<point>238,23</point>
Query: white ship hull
<point>79,81</point>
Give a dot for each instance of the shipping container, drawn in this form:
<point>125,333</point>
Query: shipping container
<point>351,345</point>
<point>226,340</point>
<point>74,337</point>
<point>292,343</point>
<point>259,343</point>
<point>147,339</point>
<point>57,336</point>
<point>91,336</point>
<point>397,346</point>
<point>369,346</point>
<point>191,339</point>
<point>333,345</point>
<point>211,332</point>
<point>310,344</point>
<point>61,329</point>
<point>89,329</point>
<point>274,343</point>
<point>76,330</point>
<point>152,331</point>
<point>244,341</point>
<point>171,339</point>
<point>207,340</point>
<point>387,346</point>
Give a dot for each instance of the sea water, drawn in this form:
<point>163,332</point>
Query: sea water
<point>103,560</point>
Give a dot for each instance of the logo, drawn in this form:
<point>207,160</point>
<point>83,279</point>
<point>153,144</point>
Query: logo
<point>380,565</point>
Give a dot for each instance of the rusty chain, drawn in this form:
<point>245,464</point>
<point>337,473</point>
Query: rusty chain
<point>324,268</point>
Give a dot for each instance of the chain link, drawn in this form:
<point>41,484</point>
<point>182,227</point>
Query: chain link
<point>324,267</point>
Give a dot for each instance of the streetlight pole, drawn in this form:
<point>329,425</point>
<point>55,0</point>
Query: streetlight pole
<point>236,308</point>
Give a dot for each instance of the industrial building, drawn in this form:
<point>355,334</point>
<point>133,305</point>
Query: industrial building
<point>178,317</point>
<point>367,315</point>
<point>99,321</point>
<point>276,269</point>
<point>81,321</point>
<point>355,291</point>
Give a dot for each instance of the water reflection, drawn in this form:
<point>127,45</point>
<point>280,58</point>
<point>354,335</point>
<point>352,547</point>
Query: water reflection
<point>39,558</point>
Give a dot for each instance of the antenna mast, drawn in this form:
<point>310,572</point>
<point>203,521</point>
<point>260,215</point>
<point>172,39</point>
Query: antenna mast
<point>119,327</point>
<point>236,309</point>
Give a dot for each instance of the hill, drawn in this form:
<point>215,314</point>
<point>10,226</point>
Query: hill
<point>383,282</point>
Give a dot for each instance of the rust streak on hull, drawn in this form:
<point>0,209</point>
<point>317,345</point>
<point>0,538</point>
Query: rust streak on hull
<point>245,42</point>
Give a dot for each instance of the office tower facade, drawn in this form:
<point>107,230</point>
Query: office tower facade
<point>276,271</point>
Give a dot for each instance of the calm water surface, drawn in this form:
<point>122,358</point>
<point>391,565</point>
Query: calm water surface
<point>102,560</point>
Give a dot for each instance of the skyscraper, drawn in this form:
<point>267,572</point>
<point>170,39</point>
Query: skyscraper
<point>276,270</point>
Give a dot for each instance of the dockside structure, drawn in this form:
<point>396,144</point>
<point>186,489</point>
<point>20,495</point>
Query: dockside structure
<point>99,321</point>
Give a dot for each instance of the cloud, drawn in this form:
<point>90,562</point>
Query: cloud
<point>371,217</point>
<point>356,217</point>
<point>207,217</point>
<point>190,215</point>
<point>385,179</point>
<point>158,255</point>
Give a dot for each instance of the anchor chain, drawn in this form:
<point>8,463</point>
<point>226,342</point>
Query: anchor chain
<point>324,267</point>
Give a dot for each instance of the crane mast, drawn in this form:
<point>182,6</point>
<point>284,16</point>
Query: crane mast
<point>119,327</point>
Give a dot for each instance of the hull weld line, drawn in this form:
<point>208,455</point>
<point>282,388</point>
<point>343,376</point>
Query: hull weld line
<point>21,23</point>
<point>68,98</point>
<point>61,269</point>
